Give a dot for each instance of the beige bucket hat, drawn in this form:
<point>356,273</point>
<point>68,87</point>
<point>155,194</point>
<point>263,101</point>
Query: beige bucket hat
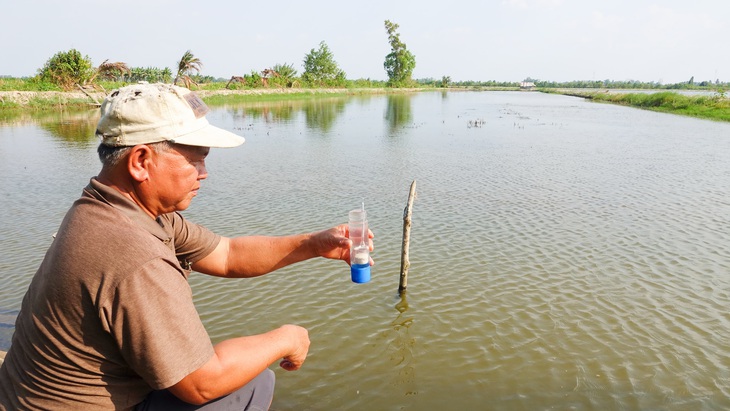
<point>150,113</point>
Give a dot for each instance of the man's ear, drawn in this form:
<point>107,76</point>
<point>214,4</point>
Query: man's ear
<point>139,161</point>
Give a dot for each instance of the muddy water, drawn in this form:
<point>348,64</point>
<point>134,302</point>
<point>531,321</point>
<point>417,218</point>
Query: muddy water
<point>564,254</point>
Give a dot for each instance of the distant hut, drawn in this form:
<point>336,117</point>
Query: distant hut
<point>527,85</point>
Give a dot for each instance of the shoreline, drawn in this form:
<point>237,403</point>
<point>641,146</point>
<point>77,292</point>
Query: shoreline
<point>717,109</point>
<point>58,99</point>
<point>707,107</point>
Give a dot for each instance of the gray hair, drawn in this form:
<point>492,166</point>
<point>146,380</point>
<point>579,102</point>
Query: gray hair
<point>111,156</point>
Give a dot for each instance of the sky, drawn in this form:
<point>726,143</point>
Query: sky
<point>666,41</point>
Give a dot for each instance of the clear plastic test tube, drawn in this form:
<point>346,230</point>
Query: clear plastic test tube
<point>359,250</point>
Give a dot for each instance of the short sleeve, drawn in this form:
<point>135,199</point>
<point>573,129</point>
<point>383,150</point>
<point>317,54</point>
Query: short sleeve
<point>192,241</point>
<point>154,321</point>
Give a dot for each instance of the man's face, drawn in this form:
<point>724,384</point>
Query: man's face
<point>174,178</point>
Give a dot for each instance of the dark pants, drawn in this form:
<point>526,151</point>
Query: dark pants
<point>254,396</point>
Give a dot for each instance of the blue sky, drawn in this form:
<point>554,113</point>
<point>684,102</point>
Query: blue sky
<point>504,40</point>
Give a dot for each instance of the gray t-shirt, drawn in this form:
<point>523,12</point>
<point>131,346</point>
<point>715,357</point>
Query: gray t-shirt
<point>109,315</point>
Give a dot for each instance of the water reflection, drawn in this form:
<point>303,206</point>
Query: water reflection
<point>76,128</point>
<point>321,113</point>
<point>401,347</point>
<point>72,126</point>
<point>398,111</point>
<point>269,112</point>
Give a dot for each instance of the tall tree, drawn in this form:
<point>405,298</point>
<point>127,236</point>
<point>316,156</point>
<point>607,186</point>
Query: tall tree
<point>185,67</point>
<point>399,64</point>
<point>320,68</point>
<point>445,81</point>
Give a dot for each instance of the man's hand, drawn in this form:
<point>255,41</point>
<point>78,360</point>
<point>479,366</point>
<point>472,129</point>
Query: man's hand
<point>239,360</point>
<point>335,244</point>
<point>299,338</point>
<point>251,256</point>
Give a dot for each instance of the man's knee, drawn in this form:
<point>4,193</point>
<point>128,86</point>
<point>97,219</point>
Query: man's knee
<point>268,379</point>
<point>262,390</point>
<point>254,396</point>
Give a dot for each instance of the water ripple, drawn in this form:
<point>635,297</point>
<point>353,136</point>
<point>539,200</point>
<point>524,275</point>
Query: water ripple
<point>565,255</point>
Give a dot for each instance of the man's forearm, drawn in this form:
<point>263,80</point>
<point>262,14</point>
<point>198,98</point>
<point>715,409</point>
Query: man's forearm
<point>258,255</point>
<point>239,360</point>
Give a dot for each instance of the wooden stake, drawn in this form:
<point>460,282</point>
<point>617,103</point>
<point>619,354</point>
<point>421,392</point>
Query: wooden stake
<point>404,261</point>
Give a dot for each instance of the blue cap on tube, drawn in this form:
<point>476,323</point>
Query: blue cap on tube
<point>360,273</point>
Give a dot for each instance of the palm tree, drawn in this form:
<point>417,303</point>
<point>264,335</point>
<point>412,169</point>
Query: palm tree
<point>187,64</point>
<point>110,71</point>
<point>287,72</point>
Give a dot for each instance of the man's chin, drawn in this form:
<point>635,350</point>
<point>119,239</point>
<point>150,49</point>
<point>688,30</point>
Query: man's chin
<point>183,205</point>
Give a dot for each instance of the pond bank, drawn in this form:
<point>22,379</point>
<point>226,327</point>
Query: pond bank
<point>57,99</point>
<point>710,107</point>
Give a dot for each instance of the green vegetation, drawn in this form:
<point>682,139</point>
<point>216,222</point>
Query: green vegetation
<point>283,75</point>
<point>67,69</point>
<point>320,68</point>
<point>71,70</point>
<point>38,102</point>
<point>148,74</point>
<point>400,62</point>
<point>294,95</point>
<point>27,84</point>
<point>631,84</point>
<point>715,107</point>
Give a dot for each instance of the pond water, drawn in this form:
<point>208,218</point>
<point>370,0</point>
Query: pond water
<point>564,254</point>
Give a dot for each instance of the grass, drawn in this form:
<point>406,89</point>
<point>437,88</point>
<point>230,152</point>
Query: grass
<point>213,93</point>
<point>716,107</point>
<point>292,94</point>
<point>26,84</point>
<point>53,102</point>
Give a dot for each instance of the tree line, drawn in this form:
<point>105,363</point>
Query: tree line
<point>71,69</point>
<point>632,84</point>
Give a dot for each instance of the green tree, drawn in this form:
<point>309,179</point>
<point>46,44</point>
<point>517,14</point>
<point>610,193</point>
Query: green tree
<point>185,67</point>
<point>445,81</point>
<point>399,64</point>
<point>320,68</point>
<point>150,74</point>
<point>67,69</point>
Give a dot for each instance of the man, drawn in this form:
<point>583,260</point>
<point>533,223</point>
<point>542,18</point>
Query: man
<point>108,321</point>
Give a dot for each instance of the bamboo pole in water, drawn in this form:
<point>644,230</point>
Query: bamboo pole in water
<point>405,263</point>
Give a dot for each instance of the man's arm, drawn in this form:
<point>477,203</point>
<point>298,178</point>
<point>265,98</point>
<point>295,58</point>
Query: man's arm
<point>239,360</point>
<point>258,255</point>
